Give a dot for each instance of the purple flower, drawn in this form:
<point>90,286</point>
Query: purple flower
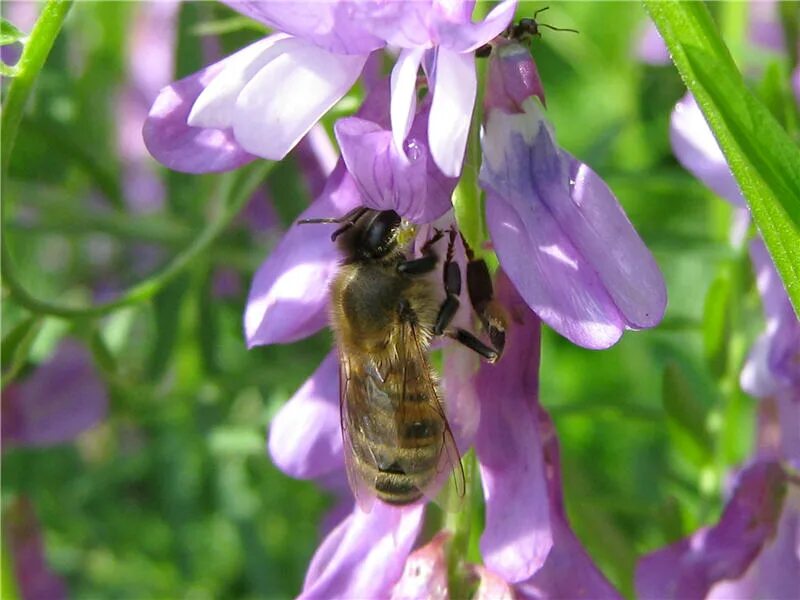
<point>559,232</point>
<point>33,576</point>
<point>527,540</point>
<point>291,286</point>
<point>773,366</point>
<point>261,100</point>
<point>697,150</point>
<point>689,568</point>
<point>425,573</point>
<point>62,398</point>
<point>650,46</point>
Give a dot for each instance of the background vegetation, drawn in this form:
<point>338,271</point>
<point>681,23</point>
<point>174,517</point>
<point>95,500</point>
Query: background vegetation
<point>173,494</point>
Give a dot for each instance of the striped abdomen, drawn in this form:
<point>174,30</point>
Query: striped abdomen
<point>397,438</point>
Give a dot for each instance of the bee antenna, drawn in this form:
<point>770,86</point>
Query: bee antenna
<point>558,28</point>
<point>541,10</point>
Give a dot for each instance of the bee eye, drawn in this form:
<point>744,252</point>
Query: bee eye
<point>378,235</point>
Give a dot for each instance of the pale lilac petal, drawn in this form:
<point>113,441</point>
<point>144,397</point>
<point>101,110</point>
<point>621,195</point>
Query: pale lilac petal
<point>34,578</point>
<point>364,556</point>
<point>690,567</point>
<point>697,150</point>
<point>775,574</point>
<point>788,401</point>
<point>563,238</point>
<point>796,85</point>
<point>305,437</point>
<point>404,95</point>
<point>400,24</point>
<point>451,110</point>
<point>467,37</point>
<point>289,295</point>
<point>512,78</point>
<point>491,586</point>
<point>765,29</point>
<point>425,573</point>
<point>215,106</point>
<point>772,363</point>
<point>651,48</point>
<point>518,535</point>
<point>413,185</point>
<point>288,95</point>
<point>569,571</point>
<point>334,26</point>
<point>62,398</point>
<point>175,144</point>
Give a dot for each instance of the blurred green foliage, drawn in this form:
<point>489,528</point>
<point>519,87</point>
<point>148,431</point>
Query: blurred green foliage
<point>175,496</point>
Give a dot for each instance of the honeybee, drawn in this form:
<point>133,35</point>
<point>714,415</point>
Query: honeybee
<point>398,445</point>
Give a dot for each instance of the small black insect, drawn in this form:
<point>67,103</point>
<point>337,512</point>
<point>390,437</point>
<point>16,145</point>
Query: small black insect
<point>524,30</point>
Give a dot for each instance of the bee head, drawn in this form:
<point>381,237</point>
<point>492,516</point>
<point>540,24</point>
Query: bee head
<point>373,236</point>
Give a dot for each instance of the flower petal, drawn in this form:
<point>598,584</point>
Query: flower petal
<point>180,147</point>
<point>688,568</point>
<point>364,556</point>
<point>651,48</point>
<point>425,573</point>
<point>330,25</point>
<point>451,109</point>
<point>562,237</point>
<point>412,185</point>
<point>518,535</point>
<point>62,398</point>
<point>215,106</point>
<point>776,571</point>
<point>512,78</point>
<point>569,571</point>
<point>289,94</point>
<point>491,586</point>
<point>289,295</point>
<point>314,411</point>
<point>404,95</point>
<point>34,578</point>
<point>697,150</point>
<point>467,37</point>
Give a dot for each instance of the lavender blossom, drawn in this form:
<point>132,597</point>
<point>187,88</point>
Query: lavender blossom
<point>34,578</point>
<point>292,284</point>
<point>558,231</point>
<point>772,366</point>
<point>233,111</point>
<point>62,398</point>
<point>689,568</point>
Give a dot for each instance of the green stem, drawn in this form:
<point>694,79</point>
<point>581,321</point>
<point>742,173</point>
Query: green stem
<point>236,190</point>
<point>30,64</point>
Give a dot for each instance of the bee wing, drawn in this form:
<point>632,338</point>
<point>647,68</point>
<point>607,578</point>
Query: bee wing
<point>449,458</point>
<point>352,402</point>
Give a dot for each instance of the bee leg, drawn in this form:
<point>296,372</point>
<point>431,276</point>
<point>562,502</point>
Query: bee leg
<point>427,262</point>
<point>469,340</point>
<point>451,276</point>
<point>481,296</point>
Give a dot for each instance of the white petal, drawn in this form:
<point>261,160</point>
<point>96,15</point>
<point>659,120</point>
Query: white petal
<point>451,109</point>
<point>287,96</point>
<point>214,107</point>
<point>404,94</point>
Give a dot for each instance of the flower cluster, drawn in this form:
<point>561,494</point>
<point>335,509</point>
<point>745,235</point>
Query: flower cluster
<point>568,255</point>
<point>752,551</point>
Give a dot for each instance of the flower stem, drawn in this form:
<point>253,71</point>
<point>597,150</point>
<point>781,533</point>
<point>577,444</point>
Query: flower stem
<point>235,190</point>
<point>30,63</point>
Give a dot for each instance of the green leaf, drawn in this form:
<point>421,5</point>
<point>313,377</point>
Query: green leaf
<point>16,346</point>
<point>9,33</point>
<point>762,156</point>
<point>685,408</point>
<point>716,324</point>
<point>8,70</point>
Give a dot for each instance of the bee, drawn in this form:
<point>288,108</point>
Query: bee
<point>398,445</point>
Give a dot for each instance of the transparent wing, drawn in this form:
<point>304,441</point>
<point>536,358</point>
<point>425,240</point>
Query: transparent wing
<point>352,401</point>
<point>449,458</point>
